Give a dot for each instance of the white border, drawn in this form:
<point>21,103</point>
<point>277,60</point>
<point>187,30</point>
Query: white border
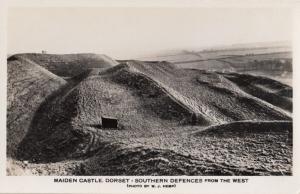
<point>36,184</point>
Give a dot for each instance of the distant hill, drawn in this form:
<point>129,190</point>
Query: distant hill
<point>68,65</point>
<point>272,59</point>
<point>276,44</point>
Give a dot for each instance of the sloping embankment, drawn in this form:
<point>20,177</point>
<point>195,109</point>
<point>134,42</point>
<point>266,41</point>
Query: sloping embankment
<point>69,65</point>
<point>28,86</point>
<point>267,89</point>
<point>246,127</point>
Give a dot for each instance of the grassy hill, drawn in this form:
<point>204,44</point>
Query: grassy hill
<point>68,65</point>
<point>160,109</point>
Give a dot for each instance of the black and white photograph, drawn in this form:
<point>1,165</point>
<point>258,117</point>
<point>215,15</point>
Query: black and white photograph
<point>149,91</point>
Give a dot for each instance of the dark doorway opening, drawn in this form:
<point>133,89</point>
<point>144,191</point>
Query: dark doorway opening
<point>109,122</point>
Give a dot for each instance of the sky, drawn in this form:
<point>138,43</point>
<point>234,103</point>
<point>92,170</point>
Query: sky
<point>124,33</point>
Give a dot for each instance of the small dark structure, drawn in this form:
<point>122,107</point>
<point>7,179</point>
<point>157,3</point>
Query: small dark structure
<point>109,122</point>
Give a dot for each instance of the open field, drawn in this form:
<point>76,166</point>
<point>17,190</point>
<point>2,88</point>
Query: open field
<point>274,60</point>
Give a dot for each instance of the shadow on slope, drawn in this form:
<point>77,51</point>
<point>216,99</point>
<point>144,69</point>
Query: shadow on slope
<point>239,105</point>
<point>164,101</point>
<point>247,127</point>
<point>264,88</point>
<point>208,94</point>
<point>50,127</point>
<point>28,86</point>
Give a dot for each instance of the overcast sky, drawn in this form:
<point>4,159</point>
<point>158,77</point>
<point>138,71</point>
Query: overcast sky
<point>133,32</point>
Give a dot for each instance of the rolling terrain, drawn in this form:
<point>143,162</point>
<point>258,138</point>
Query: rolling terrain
<point>272,60</point>
<point>171,120</point>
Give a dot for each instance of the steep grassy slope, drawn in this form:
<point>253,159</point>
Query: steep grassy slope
<point>248,127</point>
<point>69,65</point>
<point>211,93</point>
<point>264,88</point>
<point>28,86</point>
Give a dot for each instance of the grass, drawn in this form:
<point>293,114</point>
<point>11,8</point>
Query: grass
<point>173,122</point>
